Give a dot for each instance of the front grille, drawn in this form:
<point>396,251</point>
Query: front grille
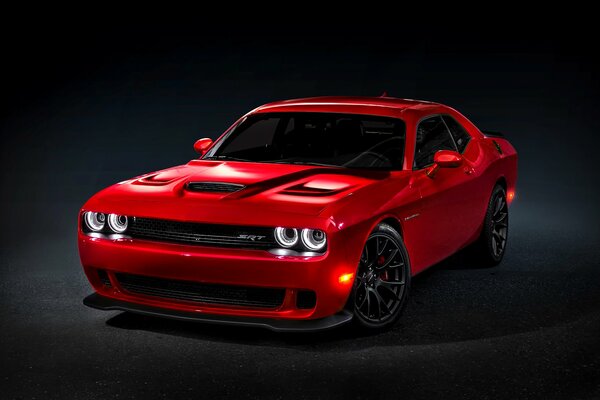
<point>202,292</point>
<point>202,234</point>
<point>214,187</point>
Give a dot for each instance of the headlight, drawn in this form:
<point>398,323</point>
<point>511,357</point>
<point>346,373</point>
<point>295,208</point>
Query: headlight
<point>94,221</point>
<point>118,223</point>
<point>286,237</point>
<point>313,239</point>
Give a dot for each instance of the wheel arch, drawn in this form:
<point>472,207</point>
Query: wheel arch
<point>394,223</point>
<point>502,182</point>
<point>370,226</point>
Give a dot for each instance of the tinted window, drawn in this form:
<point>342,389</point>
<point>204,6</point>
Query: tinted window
<point>432,136</point>
<point>345,140</point>
<point>460,135</point>
<point>257,134</point>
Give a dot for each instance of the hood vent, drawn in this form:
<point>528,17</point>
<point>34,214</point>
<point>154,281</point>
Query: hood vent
<point>214,187</point>
<point>306,189</point>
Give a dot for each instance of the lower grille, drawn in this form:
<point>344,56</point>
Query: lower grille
<point>306,299</point>
<point>103,275</point>
<point>202,292</point>
<point>201,234</point>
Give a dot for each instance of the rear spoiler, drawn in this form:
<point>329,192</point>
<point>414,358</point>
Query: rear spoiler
<point>493,134</point>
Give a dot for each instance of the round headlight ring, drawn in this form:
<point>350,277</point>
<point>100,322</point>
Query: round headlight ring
<point>286,237</point>
<point>94,221</point>
<point>313,239</point>
<point>117,223</point>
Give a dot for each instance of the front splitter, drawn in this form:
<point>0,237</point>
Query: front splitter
<point>100,302</point>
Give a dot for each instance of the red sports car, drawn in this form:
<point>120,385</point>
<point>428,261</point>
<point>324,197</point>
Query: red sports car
<point>304,215</point>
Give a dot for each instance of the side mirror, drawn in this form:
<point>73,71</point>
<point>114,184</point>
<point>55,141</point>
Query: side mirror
<point>202,145</point>
<point>444,159</point>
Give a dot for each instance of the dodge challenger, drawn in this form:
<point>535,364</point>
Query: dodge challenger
<point>304,215</point>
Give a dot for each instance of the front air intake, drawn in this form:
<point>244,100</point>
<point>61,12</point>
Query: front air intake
<point>214,187</point>
<point>208,293</point>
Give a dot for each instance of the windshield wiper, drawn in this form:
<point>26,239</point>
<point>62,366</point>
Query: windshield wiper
<point>222,157</point>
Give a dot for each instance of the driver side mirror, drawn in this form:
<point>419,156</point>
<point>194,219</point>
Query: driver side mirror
<point>444,159</point>
<point>202,145</point>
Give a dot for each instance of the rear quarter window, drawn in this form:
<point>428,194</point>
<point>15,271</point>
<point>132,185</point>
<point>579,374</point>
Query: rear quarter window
<point>460,134</point>
<point>432,136</point>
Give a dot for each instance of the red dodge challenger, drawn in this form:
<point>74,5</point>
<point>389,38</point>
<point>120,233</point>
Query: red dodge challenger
<point>302,216</point>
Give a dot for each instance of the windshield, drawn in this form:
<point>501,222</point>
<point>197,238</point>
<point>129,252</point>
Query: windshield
<point>341,140</point>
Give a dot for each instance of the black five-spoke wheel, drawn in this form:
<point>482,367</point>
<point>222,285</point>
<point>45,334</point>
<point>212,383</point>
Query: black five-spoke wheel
<point>383,279</point>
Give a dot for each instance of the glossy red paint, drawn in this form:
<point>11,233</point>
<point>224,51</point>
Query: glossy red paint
<point>437,215</point>
<point>202,145</point>
<point>448,159</point>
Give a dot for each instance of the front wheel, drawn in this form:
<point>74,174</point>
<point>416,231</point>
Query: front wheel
<point>383,279</point>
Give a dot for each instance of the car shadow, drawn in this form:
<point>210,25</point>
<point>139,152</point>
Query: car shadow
<point>456,300</point>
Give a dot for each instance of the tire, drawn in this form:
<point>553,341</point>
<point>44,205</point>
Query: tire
<point>382,282</point>
<point>491,245</point>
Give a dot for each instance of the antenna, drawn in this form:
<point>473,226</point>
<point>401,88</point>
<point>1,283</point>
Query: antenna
<point>384,94</point>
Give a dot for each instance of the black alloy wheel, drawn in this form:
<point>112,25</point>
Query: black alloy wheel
<point>491,245</point>
<point>383,279</point>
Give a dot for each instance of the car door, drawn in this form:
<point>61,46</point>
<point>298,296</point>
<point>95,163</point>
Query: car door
<point>446,207</point>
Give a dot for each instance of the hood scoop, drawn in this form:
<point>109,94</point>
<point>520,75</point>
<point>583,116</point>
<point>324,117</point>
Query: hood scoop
<point>317,188</point>
<point>214,187</point>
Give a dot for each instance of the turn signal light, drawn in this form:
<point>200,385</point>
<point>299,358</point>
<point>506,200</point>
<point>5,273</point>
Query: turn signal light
<point>510,195</point>
<point>346,278</point>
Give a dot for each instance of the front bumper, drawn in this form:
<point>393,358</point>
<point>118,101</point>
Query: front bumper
<point>222,266</point>
<point>312,325</point>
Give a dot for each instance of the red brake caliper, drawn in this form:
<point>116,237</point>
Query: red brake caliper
<point>381,261</point>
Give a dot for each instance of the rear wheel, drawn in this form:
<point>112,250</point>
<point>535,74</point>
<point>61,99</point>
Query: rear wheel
<point>383,279</point>
<point>491,245</point>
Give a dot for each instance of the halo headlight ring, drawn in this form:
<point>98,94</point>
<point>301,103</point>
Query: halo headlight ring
<point>117,223</point>
<point>313,239</point>
<point>286,237</point>
<point>94,221</point>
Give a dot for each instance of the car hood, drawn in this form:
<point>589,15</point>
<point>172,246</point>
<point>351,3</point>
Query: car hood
<point>227,191</point>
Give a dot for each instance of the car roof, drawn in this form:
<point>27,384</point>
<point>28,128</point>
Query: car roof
<point>356,101</point>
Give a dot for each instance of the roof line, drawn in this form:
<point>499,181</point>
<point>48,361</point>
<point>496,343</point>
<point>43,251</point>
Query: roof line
<point>329,104</point>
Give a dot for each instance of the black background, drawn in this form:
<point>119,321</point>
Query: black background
<point>89,103</point>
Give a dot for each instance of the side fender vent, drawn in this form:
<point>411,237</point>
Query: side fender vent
<point>214,187</point>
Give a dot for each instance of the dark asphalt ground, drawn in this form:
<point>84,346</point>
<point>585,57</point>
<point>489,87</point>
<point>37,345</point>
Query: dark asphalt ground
<point>528,328</point>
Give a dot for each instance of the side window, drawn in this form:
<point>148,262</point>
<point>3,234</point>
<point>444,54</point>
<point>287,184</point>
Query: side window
<point>432,136</point>
<point>460,135</point>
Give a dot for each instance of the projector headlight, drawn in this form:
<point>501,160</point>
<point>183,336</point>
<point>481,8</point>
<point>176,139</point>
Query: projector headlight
<point>94,221</point>
<point>313,239</point>
<point>286,237</point>
<point>117,223</point>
